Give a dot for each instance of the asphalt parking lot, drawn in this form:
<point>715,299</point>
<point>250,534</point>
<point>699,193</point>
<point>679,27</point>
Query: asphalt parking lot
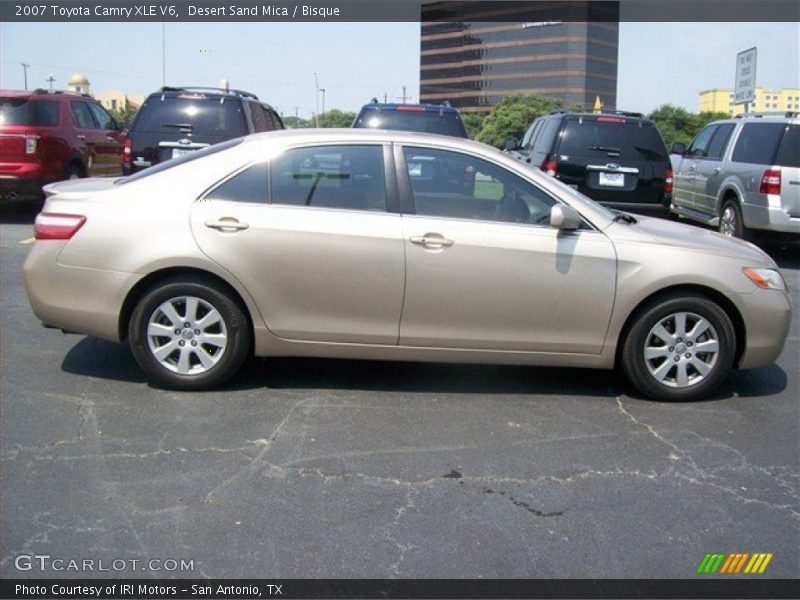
<point>333,468</point>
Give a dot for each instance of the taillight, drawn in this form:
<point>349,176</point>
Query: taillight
<point>57,226</point>
<point>127,150</point>
<point>771,182</point>
<point>668,182</point>
<point>550,167</point>
<point>30,144</point>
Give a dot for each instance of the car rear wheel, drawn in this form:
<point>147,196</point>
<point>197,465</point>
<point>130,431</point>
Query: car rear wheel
<point>73,172</point>
<point>730,220</point>
<point>679,348</point>
<point>189,335</point>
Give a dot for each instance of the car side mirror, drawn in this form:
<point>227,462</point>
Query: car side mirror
<point>678,148</point>
<point>511,144</point>
<point>564,217</point>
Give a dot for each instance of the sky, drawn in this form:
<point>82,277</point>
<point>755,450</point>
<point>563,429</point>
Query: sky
<point>658,62</point>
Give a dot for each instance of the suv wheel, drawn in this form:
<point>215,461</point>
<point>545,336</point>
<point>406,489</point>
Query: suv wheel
<point>189,335</point>
<point>730,220</point>
<point>73,172</point>
<point>679,348</point>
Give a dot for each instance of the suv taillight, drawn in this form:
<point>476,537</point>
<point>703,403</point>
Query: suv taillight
<point>127,150</point>
<point>30,144</point>
<point>57,226</point>
<point>771,181</point>
<point>550,167</point>
<point>668,182</point>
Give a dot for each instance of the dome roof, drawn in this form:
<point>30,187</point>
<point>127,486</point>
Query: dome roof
<point>78,79</point>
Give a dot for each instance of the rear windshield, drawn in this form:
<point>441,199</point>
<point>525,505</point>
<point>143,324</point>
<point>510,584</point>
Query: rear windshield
<point>168,164</point>
<point>442,122</point>
<point>619,137</point>
<point>195,113</point>
<point>22,111</point>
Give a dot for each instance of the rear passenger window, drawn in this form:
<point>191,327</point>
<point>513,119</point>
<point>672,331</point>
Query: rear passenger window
<point>81,117</point>
<point>758,143</point>
<point>544,141</point>
<point>348,177</point>
<point>720,140</point>
<point>789,152</point>
<point>250,185</point>
<point>259,117</point>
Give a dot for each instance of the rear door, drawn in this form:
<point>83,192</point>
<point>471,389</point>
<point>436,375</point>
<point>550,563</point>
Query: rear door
<point>109,141</point>
<point>486,271</point>
<point>616,160</point>
<point>90,138</point>
<point>324,260</point>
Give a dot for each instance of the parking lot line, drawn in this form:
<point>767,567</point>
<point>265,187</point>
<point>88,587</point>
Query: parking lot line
<point>29,240</point>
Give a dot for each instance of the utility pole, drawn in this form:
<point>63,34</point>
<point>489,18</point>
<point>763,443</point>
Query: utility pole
<point>51,80</point>
<point>323,99</point>
<point>25,73</point>
<point>404,97</point>
<point>163,55</point>
<point>385,98</point>
<point>316,101</point>
<point>296,112</point>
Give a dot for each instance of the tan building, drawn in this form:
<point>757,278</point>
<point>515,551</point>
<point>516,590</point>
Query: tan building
<point>117,99</point>
<point>721,100</point>
<point>79,83</point>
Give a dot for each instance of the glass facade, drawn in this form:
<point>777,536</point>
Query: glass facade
<point>474,63</point>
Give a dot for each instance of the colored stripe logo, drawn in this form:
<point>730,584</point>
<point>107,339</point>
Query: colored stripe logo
<point>734,563</point>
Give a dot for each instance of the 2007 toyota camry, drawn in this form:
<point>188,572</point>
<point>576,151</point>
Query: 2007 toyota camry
<point>390,245</point>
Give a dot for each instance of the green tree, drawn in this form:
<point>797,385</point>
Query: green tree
<point>677,124</point>
<point>512,116</point>
<point>336,118</point>
<point>473,121</point>
<point>296,122</point>
<point>124,114</point>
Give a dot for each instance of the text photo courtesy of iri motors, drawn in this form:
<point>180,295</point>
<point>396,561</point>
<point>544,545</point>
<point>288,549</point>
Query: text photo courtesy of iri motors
<point>404,299</point>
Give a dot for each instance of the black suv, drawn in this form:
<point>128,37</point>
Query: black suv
<point>177,120</point>
<point>618,159</point>
<point>430,118</point>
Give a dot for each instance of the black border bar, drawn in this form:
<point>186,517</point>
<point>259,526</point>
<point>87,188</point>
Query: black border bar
<point>18,11</point>
<point>440,589</point>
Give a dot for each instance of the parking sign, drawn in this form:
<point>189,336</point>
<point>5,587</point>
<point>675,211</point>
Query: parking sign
<point>745,90</point>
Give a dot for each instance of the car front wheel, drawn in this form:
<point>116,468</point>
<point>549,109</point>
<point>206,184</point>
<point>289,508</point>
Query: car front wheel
<point>189,335</point>
<point>679,348</point>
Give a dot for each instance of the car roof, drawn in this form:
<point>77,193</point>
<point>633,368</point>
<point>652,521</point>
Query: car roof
<point>367,135</point>
<point>42,93</point>
<point>426,107</point>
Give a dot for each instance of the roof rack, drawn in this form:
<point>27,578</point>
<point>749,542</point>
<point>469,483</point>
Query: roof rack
<point>70,92</point>
<point>622,113</point>
<point>186,88</point>
<point>789,114</point>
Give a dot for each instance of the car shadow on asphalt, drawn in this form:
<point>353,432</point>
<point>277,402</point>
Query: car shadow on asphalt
<point>97,358</point>
<point>786,254</point>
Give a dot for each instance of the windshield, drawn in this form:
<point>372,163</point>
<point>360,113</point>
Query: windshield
<point>168,164</point>
<point>616,137</point>
<point>442,122</point>
<point>21,111</point>
<point>191,113</point>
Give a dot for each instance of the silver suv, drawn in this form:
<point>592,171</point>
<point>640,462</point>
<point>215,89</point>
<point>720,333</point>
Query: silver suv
<point>741,174</point>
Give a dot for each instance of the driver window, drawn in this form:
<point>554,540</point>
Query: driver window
<point>453,185</point>
<point>699,147</point>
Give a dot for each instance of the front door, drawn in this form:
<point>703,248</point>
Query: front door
<point>486,271</point>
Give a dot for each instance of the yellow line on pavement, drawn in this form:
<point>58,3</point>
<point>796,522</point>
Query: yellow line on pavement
<point>29,240</point>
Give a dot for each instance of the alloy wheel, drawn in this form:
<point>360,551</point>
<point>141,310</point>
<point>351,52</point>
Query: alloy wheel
<point>681,350</point>
<point>728,223</point>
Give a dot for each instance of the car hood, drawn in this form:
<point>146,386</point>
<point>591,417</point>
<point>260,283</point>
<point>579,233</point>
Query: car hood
<point>677,235</point>
<point>74,188</point>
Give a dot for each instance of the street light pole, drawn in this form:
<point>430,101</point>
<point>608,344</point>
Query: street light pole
<point>316,101</point>
<point>25,73</point>
<point>323,99</point>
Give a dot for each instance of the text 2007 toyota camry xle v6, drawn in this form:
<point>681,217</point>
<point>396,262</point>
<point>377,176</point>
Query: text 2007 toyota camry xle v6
<point>397,246</point>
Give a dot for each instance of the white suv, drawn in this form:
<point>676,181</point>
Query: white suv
<point>741,174</point>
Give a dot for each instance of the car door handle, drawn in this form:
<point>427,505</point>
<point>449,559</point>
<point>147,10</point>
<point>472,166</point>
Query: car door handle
<point>431,240</point>
<point>716,171</point>
<point>81,137</point>
<point>692,167</point>
<point>227,223</point>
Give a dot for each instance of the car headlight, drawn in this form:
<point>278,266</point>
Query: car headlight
<point>766,279</point>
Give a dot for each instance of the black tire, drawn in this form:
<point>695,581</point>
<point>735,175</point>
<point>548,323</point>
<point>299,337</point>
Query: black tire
<point>736,228</point>
<point>74,172</point>
<point>234,325</point>
<point>637,368</point>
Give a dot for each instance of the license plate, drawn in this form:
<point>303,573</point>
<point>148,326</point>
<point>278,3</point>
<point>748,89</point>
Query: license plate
<point>612,179</point>
<point>176,152</point>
